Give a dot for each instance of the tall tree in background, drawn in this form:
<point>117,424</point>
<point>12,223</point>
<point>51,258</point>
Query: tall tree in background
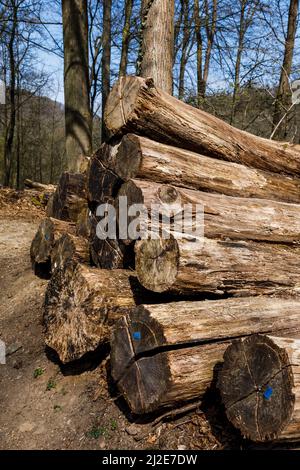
<point>283,92</point>
<point>246,16</point>
<point>95,52</point>
<point>186,33</point>
<point>106,60</point>
<point>158,42</point>
<point>203,63</point>
<point>11,121</point>
<point>76,80</point>
<point>125,37</point>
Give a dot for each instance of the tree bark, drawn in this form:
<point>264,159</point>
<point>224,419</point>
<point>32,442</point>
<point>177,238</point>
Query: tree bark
<point>158,42</point>
<point>125,37</point>
<point>106,59</point>
<point>136,105</point>
<point>223,216</point>
<point>70,197</point>
<point>81,305</point>
<point>49,231</point>
<point>76,79</point>
<point>237,268</point>
<point>260,387</point>
<point>157,361</point>
<point>142,158</point>
<point>282,97</point>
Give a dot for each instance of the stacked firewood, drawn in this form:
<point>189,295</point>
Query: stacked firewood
<point>176,317</point>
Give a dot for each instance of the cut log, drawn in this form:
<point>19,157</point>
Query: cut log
<point>80,306</point>
<point>47,188</point>
<point>136,105</point>
<point>70,197</point>
<point>103,183</point>
<point>84,225</point>
<point>69,250</point>
<point>260,387</point>
<point>165,354</point>
<point>105,253</point>
<point>224,216</point>
<point>49,207</point>
<point>49,231</point>
<point>142,158</point>
<point>238,268</point>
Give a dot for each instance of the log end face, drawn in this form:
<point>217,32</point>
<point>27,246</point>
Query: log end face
<point>145,383</point>
<point>129,157</point>
<point>156,263</point>
<point>72,326</point>
<point>256,386</point>
<point>122,101</point>
<point>142,379</point>
<point>41,245</point>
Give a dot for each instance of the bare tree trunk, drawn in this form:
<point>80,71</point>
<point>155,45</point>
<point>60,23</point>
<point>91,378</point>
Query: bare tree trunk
<point>106,58</point>
<point>185,42</point>
<point>210,32</point>
<point>237,71</point>
<point>158,42</point>
<point>210,27</point>
<point>18,149</point>
<point>199,45</point>
<point>52,143</point>
<point>76,71</point>
<point>126,37</point>
<point>40,140</point>
<point>10,132</point>
<point>282,98</point>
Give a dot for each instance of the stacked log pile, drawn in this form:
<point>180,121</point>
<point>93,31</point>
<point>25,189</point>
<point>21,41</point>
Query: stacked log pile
<point>171,306</point>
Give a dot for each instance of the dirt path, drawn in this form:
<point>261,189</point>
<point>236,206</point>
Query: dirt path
<point>45,406</point>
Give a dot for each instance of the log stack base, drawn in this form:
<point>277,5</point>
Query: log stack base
<point>165,353</point>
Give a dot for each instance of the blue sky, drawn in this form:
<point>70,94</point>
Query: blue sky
<point>48,61</point>
<point>218,79</point>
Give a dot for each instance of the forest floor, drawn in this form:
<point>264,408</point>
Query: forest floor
<point>45,405</point>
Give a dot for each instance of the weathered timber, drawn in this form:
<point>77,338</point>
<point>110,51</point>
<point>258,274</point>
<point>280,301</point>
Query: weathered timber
<point>165,354</point>
<point>260,387</point>
<point>70,197</point>
<point>49,207</point>
<point>238,268</point>
<point>106,253</point>
<point>69,250</point>
<point>49,231</point>
<point>223,216</point>
<point>83,225</point>
<point>47,188</point>
<point>80,306</point>
<point>142,158</point>
<point>136,105</point>
<point>102,183</point>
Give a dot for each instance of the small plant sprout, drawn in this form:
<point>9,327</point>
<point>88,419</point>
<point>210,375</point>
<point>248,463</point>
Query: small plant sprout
<point>38,372</point>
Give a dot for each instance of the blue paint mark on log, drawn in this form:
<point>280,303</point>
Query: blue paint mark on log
<point>268,392</point>
<point>137,335</point>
